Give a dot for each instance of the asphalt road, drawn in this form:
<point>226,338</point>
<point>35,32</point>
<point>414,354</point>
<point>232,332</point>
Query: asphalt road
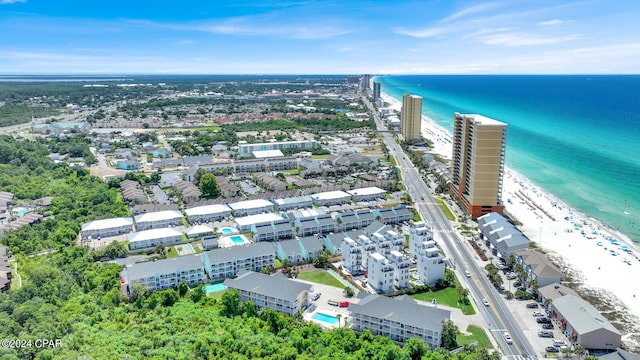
<point>497,315</point>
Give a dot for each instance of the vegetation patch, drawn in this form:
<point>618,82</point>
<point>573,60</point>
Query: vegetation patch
<point>321,277</point>
<point>445,209</point>
<point>476,335</point>
<point>447,296</point>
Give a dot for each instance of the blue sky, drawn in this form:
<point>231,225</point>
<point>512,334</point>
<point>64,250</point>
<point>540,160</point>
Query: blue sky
<point>319,37</point>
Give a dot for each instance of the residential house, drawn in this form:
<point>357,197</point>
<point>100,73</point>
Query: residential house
<point>503,238</point>
<point>189,192</point>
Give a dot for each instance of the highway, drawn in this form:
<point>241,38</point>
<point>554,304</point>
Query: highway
<point>497,315</point>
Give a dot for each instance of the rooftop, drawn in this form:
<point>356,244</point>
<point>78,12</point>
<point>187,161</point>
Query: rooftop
<point>274,285</point>
<point>258,219</point>
<point>165,266</point>
<point>151,234</point>
<point>158,216</point>
<point>107,223</point>
<point>250,204</point>
<point>207,209</point>
<point>403,310</point>
<point>582,316</point>
<point>483,120</point>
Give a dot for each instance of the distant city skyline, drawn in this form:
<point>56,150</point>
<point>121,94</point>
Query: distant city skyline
<point>320,37</point>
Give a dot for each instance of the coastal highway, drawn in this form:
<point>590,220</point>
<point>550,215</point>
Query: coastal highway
<point>497,315</point>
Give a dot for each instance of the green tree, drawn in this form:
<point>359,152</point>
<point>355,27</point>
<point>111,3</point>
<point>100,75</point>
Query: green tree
<point>416,348</point>
<point>183,288</point>
<point>449,334</point>
<point>348,291</point>
<point>231,303</point>
<point>198,293</point>
<point>209,186</point>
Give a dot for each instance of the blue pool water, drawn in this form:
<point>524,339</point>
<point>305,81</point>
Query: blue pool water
<point>214,288</point>
<point>227,231</point>
<point>22,212</point>
<point>329,319</point>
<point>237,239</point>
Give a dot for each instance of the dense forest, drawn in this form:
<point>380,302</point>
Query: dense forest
<point>67,294</point>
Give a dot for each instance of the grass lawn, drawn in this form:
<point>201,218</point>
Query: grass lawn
<point>278,264</point>
<point>196,246</point>
<point>477,334</point>
<point>447,296</point>
<point>446,210</point>
<point>321,277</point>
<point>217,294</point>
<point>388,196</point>
<point>319,157</point>
<point>290,171</point>
<point>171,252</point>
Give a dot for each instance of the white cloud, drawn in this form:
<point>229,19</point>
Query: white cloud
<point>12,1</point>
<point>517,39</point>
<point>426,32</point>
<point>472,10</point>
<point>551,22</point>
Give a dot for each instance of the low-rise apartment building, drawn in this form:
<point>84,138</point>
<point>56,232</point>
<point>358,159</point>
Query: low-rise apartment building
<point>154,237</point>
<point>227,262</point>
<point>399,319</point>
<point>163,274</point>
<point>158,219</point>
<point>99,229</point>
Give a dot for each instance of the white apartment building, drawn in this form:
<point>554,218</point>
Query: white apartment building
<point>399,319</point>
<point>430,262</point>
<point>208,213</point>
<point>351,256</point>
<point>154,237</point>
<point>274,291</point>
<point>158,219</point>
<point>418,233</point>
<point>163,274</point>
<point>248,149</point>
<point>98,229</point>
<point>400,269</point>
<point>251,207</point>
<point>380,271</point>
<point>227,262</point>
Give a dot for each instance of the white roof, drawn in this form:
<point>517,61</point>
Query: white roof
<point>259,154</point>
<point>207,209</point>
<point>367,191</point>
<point>250,204</point>
<point>160,233</point>
<point>107,223</point>
<point>377,256</point>
<point>158,216</point>
<point>199,229</point>
<point>481,119</point>
<point>256,219</point>
<point>328,195</point>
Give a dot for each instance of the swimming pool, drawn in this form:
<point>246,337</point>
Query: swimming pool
<point>214,288</point>
<point>21,211</point>
<point>227,231</point>
<point>237,239</point>
<point>329,319</point>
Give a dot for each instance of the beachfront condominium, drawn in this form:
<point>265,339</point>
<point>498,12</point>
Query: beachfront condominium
<point>411,117</point>
<point>479,145</point>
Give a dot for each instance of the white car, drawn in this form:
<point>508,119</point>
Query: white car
<point>507,338</point>
<point>485,302</point>
<point>537,313</point>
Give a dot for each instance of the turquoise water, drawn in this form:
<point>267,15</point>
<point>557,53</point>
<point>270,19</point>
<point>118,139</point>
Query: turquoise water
<point>330,319</point>
<point>576,136</point>
<point>214,288</point>
<point>227,231</point>
<point>237,239</point>
<point>22,211</point>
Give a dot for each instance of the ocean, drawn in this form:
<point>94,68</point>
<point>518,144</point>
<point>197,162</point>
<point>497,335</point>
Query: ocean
<point>575,136</point>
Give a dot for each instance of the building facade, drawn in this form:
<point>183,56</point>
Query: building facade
<point>163,274</point>
<point>227,262</point>
<point>479,145</point>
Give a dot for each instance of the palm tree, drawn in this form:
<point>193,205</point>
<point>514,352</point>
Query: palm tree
<point>339,316</point>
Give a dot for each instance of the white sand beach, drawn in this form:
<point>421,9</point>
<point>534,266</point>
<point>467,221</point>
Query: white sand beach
<point>598,265</point>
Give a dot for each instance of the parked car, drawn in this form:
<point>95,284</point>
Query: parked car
<point>536,313</point>
<point>543,320</point>
<point>333,302</point>
<point>559,343</point>
<point>344,304</point>
<point>552,349</point>
<point>545,333</point>
<point>517,284</point>
<point>547,326</point>
<point>532,305</point>
<point>316,296</point>
<point>511,276</point>
<point>507,338</point>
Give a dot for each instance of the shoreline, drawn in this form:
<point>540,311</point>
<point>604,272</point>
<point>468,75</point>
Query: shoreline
<point>578,241</point>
